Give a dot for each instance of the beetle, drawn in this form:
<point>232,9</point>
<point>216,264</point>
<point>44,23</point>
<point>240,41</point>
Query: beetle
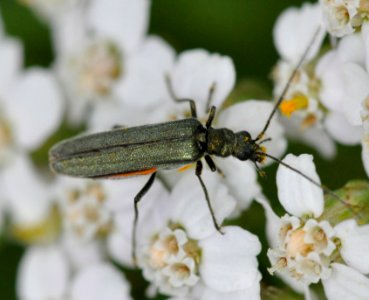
<point>143,150</point>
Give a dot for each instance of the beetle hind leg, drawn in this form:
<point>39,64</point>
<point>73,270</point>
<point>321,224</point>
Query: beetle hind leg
<point>137,199</point>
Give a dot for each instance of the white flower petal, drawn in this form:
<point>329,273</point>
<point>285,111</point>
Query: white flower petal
<point>143,85</point>
<point>315,136</point>
<point>365,36</point>
<point>80,253</point>
<point>365,142</point>
<point>43,274</point>
<point>355,244</point>
<point>274,222</point>
<point>69,30</point>
<point>206,293</point>
<point>120,246</point>
<point>341,130</point>
<point>100,281</point>
<point>11,60</point>
<point>27,195</point>
<point>190,207</point>
<point>251,116</point>
<point>351,49</point>
<point>346,283</point>
<point>295,284</point>
<point>329,70</point>
<point>35,107</point>
<point>107,114</point>
<point>226,268</point>
<point>365,159</point>
<point>297,195</point>
<point>357,90</point>
<point>241,179</point>
<point>294,30</point>
<point>124,21</point>
<point>196,71</point>
<point>49,10</point>
<point>153,210</point>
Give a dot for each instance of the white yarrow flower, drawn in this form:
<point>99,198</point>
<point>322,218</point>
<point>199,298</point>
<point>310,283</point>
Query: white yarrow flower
<point>301,105</point>
<point>344,17</point>
<point>183,250</point>
<point>307,249</point>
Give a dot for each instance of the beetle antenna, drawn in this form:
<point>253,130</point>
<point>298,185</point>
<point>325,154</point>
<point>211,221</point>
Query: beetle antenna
<point>286,88</point>
<point>316,183</point>
<point>265,140</point>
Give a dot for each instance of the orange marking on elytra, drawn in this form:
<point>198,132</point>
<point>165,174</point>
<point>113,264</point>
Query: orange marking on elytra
<point>134,173</point>
<point>185,168</point>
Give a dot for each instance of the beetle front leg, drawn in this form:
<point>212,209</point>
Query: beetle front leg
<point>176,99</point>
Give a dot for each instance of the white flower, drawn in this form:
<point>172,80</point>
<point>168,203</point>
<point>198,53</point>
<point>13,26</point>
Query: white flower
<point>294,30</point>
<point>344,17</point>
<point>344,81</point>
<point>84,209</point>
<point>105,68</point>
<point>120,203</point>
<point>45,273</point>
<point>30,103</point>
<point>308,249</point>
<point>95,209</point>
<point>183,250</point>
<point>51,9</point>
<point>28,199</point>
<point>194,73</point>
<point>100,281</point>
<point>293,33</point>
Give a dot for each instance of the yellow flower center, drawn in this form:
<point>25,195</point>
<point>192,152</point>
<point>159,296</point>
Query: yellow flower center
<point>100,66</point>
<point>297,245</point>
<point>298,102</point>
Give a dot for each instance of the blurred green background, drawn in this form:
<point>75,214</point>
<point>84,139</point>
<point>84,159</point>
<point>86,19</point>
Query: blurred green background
<point>241,29</point>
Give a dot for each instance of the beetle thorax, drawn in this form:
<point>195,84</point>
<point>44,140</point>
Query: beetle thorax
<point>220,142</point>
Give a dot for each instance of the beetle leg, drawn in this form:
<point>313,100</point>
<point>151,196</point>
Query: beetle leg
<point>198,174</point>
<point>176,99</point>
<point>213,167</point>
<point>211,116</point>
<point>210,96</point>
<point>138,197</point>
<point>210,163</point>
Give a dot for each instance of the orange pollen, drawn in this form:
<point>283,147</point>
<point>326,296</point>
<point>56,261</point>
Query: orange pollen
<point>288,106</point>
<point>309,121</point>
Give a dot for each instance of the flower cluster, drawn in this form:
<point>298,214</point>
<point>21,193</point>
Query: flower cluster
<point>327,101</point>
<point>108,70</point>
<point>308,248</point>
